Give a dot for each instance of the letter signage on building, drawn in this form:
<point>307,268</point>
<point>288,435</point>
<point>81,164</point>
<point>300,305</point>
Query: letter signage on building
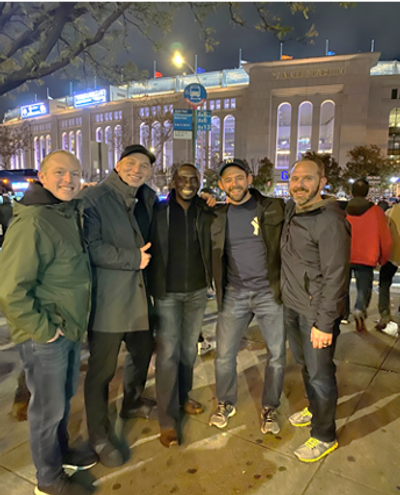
<point>34,110</point>
<point>299,74</point>
<point>92,98</point>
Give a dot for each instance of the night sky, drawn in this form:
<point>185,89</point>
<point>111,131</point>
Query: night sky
<point>348,30</point>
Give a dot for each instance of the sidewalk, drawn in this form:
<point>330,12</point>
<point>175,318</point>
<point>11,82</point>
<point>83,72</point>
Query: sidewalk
<point>240,460</point>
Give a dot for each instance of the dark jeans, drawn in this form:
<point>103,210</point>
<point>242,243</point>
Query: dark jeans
<point>386,275</point>
<point>318,373</point>
<point>179,320</point>
<point>239,307</point>
<point>52,375</point>
<point>104,348</point>
<point>364,276</point>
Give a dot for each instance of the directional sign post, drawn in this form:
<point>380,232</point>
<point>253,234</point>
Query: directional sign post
<point>204,120</point>
<point>183,123</point>
<point>195,94</point>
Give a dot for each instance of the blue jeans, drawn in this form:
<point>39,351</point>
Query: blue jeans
<point>364,276</point>
<point>179,318</point>
<point>52,375</point>
<point>238,309</point>
<point>318,371</point>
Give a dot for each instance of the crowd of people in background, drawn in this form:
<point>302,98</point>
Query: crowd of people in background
<point>114,261</point>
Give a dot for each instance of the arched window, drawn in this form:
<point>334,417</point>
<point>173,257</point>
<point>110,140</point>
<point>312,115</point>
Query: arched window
<point>118,148</point>
<point>201,149</point>
<point>326,124</point>
<point>79,145</point>
<point>48,144</point>
<point>304,128</point>
<point>284,115</point>
<point>13,162</point>
<point>36,151</point>
<point>394,135</point>
<point>215,142</point>
<point>21,157</point>
<point>229,137</point>
<point>64,141</point>
<point>156,141</point>
<point>109,143</point>
<point>72,142</point>
<point>168,147</point>
<point>99,135</point>
<point>144,135</point>
<point>42,142</point>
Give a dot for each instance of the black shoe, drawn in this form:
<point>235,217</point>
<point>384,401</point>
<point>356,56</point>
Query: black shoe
<point>146,410</point>
<point>79,460</point>
<point>63,486</point>
<point>109,455</point>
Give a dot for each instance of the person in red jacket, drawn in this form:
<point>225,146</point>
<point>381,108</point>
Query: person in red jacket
<point>371,243</point>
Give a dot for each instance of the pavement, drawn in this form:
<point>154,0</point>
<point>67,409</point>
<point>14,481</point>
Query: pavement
<point>239,459</point>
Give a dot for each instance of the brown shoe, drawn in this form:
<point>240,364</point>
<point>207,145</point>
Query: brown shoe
<point>169,437</point>
<point>193,407</point>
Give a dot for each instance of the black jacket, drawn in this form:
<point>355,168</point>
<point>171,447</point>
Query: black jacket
<point>271,215</point>
<point>114,239</point>
<point>316,262</point>
<point>159,238</point>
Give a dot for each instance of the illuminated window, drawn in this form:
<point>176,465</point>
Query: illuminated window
<point>215,142</point>
<point>284,115</point>
<point>156,141</point>
<point>64,141</point>
<point>168,147</point>
<point>229,137</point>
<point>79,145</point>
<point>304,128</point>
<point>117,143</point>
<point>144,135</point>
<point>217,104</point>
<point>72,142</point>
<point>48,144</point>
<point>326,124</point>
<point>212,105</point>
<point>109,142</point>
<point>42,144</point>
<point>394,135</point>
<point>226,104</point>
<point>233,102</point>
<point>99,135</point>
<point>36,150</point>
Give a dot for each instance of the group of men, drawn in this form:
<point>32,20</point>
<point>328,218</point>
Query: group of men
<point>128,267</point>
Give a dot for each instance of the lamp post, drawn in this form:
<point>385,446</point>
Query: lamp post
<point>178,60</point>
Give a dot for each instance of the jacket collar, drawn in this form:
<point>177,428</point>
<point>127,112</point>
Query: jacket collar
<point>128,193</point>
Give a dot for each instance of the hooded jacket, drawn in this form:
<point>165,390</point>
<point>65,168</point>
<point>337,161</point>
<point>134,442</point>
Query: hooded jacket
<point>270,212</point>
<point>114,239</point>
<point>316,262</point>
<point>393,216</point>
<point>45,270</point>
<point>371,240</point>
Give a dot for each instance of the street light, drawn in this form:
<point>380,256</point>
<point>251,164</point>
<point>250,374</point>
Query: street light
<point>179,61</point>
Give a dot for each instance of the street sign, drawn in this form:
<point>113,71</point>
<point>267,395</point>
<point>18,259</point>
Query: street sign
<point>182,134</point>
<point>183,120</point>
<point>195,94</point>
<point>33,110</point>
<point>204,120</point>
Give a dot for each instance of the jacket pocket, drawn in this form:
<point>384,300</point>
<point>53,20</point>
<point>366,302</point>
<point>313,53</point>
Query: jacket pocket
<point>307,286</point>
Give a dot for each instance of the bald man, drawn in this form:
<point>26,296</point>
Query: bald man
<point>45,297</point>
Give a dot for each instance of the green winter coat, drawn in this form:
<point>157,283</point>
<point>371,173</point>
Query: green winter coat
<point>45,272</point>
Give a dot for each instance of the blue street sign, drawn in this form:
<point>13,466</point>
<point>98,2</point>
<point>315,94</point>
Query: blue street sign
<point>33,110</point>
<point>284,175</point>
<point>92,98</point>
<point>195,94</point>
<point>204,120</point>
<point>182,119</point>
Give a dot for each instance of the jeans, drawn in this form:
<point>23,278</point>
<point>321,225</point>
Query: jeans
<point>386,275</point>
<point>364,276</point>
<point>238,309</point>
<point>179,319</point>
<point>52,375</point>
<point>104,348</point>
<point>318,373</point>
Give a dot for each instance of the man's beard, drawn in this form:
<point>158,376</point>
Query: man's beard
<point>237,200</point>
<point>307,197</point>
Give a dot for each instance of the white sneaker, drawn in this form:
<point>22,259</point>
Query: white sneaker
<point>391,329</point>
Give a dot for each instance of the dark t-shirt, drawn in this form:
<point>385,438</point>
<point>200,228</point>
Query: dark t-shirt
<point>245,248</point>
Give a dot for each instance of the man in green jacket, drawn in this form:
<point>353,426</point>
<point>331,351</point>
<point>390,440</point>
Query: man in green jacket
<point>45,296</point>
<point>118,212</point>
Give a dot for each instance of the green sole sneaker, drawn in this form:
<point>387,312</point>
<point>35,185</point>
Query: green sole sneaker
<point>301,418</point>
<point>313,450</point>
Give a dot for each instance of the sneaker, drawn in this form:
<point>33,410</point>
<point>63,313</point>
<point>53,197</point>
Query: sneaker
<point>345,321</point>
<point>314,450</point>
<point>391,329</point>
<point>109,455</point>
<point>79,460</point>
<point>63,486</point>
<point>205,347</point>
<point>225,411</point>
<point>301,418</point>
<point>269,421</point>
